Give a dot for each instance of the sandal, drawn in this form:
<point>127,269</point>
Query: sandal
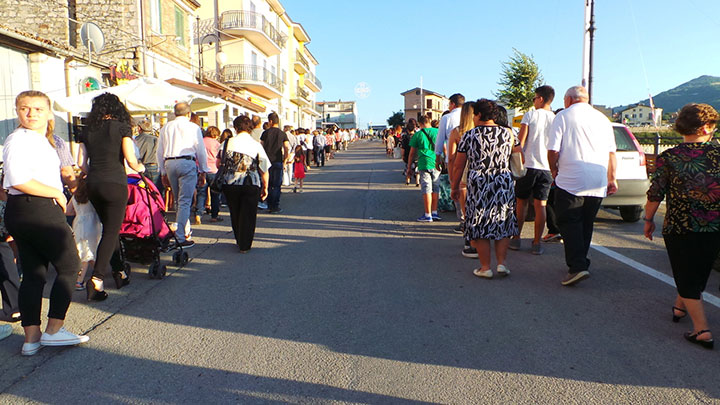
<point>676,318</point>
<point>79,286</point>
<point>692,338</point>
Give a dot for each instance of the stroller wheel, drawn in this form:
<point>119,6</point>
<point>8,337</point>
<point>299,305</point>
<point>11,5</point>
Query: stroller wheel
<point>152,270</point>
<point>177,258</point>
<point>185,258</point>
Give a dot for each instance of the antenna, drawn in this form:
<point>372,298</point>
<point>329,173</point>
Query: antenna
<point>92,37</point>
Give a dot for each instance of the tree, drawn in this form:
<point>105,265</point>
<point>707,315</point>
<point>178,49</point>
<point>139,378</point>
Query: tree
<point>520,77</point>
<point>397,118</point>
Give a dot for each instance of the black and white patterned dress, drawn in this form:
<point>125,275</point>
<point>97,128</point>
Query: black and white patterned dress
<point>490,204</point>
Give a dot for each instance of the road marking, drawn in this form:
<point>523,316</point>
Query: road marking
<point>707,297</point>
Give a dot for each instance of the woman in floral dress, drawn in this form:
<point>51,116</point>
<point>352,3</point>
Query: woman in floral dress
<point>688,176</point>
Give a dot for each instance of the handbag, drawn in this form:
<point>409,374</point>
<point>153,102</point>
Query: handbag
<point>516,164</point>
<point>219,180</point>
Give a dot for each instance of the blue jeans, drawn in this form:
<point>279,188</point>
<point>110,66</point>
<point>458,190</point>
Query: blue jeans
<point>182,174</point>
<point>202,197</point>
<point>275,184</point>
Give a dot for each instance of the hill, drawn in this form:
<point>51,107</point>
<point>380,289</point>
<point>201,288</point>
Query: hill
<point>704,89</point>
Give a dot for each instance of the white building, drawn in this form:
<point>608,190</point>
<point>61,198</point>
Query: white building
<point>640,115</point>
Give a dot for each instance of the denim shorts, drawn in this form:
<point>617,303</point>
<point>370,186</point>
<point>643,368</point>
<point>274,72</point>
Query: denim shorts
<point>429,181</point>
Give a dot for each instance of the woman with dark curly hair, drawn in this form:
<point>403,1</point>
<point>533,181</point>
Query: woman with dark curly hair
<point>689,176</point>
<point>490,202</point>
<point>107,144</point>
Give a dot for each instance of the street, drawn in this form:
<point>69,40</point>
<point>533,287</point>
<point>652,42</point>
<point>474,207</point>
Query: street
<point>344,298</point>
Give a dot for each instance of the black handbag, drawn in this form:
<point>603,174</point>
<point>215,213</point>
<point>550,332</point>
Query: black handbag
<point>219,180</point>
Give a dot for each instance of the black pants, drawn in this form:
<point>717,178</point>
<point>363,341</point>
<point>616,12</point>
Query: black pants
<point>575,217</point>
<point>551,220</point>
<point>242,202</point>
<point>43,237</point>
<point>110,201</point>
<point>9,282</point>
<point>691,258</point>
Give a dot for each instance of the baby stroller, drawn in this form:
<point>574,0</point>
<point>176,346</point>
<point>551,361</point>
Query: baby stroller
<point>145,233</point>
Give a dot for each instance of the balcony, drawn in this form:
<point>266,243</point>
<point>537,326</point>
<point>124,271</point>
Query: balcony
<point>256,28</point>
<point>254,78</point>
<point>312,82</point>
<point>301,64</point>
<point>301,97</point>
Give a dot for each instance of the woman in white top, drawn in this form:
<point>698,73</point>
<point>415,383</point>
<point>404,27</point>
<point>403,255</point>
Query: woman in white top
<point>245,181</point>
<point>35,217</point>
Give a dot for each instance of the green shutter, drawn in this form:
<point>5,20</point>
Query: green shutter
<point>180,26</point>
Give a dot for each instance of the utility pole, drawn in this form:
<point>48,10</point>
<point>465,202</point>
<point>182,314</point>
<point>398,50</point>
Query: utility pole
<point>588,45</point>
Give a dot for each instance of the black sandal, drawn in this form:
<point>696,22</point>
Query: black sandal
<point>676,318</point>
<point>692,338</point>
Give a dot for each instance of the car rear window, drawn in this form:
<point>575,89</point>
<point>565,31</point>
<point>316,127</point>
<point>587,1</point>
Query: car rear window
<point>623,141</point>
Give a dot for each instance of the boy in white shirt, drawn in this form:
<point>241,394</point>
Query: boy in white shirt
<point>533,139</point>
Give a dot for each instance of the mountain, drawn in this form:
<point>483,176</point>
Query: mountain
<point>704,89</point>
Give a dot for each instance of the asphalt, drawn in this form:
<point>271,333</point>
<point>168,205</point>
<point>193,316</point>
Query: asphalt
<point>344,298</point>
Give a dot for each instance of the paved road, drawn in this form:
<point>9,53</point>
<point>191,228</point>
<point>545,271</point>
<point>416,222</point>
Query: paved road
<point>344,298</point>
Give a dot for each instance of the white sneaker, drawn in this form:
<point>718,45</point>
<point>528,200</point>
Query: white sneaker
<point>502,270</point>
<point>30,349</point>
<point>62,338</point>
<point>483,273</point>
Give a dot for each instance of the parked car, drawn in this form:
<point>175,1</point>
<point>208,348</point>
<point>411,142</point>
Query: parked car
<point>631,175</point>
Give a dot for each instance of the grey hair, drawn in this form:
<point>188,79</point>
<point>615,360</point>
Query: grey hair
<point>577,93</point>
<point>182,109</point>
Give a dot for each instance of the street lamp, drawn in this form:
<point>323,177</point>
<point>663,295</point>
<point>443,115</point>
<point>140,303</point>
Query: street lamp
<point>220,56</point>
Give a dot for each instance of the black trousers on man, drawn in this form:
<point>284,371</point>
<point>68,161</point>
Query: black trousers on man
<point>9,282</point>
<point>575,217</point>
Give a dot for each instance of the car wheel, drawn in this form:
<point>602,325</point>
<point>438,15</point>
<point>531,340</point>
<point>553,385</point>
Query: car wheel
<point>631,213</point>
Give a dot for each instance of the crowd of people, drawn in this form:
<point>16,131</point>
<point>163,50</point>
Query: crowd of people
<point>45,188</point>
<point>568,167</point>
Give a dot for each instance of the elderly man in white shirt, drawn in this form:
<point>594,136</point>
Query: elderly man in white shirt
<point>180,146</point>
<point>448,122</point>
<point>581,153</point>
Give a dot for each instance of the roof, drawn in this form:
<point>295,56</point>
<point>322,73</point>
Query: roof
<point>636,106</point>
<point>425,91</point>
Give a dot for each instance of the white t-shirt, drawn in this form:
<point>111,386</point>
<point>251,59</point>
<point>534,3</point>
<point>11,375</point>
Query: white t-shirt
<point>27,156</point>
<point>584,137</point>
<point>448,122</point>
<point>535,149</point>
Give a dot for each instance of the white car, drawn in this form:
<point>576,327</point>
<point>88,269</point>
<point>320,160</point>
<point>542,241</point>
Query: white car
<point>631,175</point>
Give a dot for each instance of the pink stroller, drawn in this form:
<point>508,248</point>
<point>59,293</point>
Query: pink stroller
<point>145,233</point>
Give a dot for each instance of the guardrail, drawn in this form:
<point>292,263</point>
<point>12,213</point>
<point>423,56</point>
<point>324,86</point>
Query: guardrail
<point>243,73</point>
<point>250,19</point>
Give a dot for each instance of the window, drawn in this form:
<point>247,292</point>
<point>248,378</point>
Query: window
<point>156,16</point>
<point>179,26</point>
<point>331,106</point>
<point>429,104</point>
<point>284,76</point>
<point>641,115</point>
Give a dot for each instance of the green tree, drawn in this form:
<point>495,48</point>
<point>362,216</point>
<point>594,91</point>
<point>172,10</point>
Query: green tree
<point>397,118</point>
<point>520,77</point>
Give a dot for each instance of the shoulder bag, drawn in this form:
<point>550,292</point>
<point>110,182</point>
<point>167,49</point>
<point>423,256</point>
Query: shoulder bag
<point>516,162</point>
<point>219,180</point>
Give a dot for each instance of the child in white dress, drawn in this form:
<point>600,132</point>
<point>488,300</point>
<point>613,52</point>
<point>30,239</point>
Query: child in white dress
<point>87,229</point>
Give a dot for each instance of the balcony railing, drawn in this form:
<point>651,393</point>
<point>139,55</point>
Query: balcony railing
<point>247,73</point>
<point>302,93</point>
<point>299,57</point>
<point>311,77</point>
<point>249,19</point>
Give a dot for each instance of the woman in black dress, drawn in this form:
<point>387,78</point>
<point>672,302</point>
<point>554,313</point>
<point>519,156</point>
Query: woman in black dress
<point>107,144</point>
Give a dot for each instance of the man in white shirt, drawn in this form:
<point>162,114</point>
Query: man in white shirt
<point>180,146</point>
<point>581,154</point>
<point>533,138</point>
<point>448,122</point>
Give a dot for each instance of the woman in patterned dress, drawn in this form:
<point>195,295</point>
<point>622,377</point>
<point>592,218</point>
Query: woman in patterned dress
<point>689,176</point>
<point>490,202</point>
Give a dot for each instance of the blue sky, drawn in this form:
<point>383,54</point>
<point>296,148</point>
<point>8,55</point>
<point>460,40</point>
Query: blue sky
<point>458,46</point>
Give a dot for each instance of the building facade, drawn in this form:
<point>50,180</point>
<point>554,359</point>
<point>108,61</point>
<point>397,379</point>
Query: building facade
<point>640,115</point>
<point>266,58</point>
<point>248,51</point>
<point>423,101</point>
<point>341,113</point>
